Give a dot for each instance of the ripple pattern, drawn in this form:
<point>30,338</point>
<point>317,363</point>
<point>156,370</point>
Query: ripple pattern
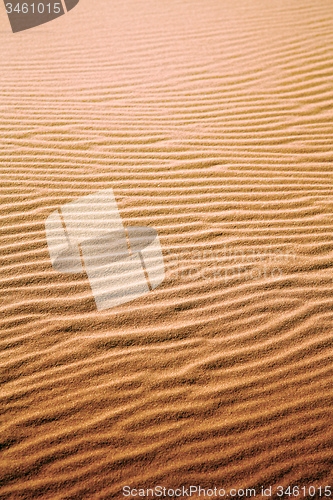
<point>212,122</point>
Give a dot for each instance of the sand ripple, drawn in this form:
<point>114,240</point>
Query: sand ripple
<point>212,122</point>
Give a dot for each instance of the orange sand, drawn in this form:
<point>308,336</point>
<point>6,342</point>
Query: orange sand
<point>212,122</point>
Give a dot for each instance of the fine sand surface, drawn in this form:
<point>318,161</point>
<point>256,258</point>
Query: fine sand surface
<point>212,122</point>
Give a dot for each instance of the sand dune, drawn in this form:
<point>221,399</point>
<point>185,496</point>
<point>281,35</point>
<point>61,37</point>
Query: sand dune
<point>212,122</point>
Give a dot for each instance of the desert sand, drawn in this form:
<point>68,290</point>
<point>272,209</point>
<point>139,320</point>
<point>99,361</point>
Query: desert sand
<point>211,120</point>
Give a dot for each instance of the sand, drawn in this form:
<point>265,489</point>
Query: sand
<point>212,122</point>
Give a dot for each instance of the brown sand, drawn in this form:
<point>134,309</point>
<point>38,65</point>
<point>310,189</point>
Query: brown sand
<point>212,122</point>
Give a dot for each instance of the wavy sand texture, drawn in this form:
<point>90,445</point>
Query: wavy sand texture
<point>212,122</point>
